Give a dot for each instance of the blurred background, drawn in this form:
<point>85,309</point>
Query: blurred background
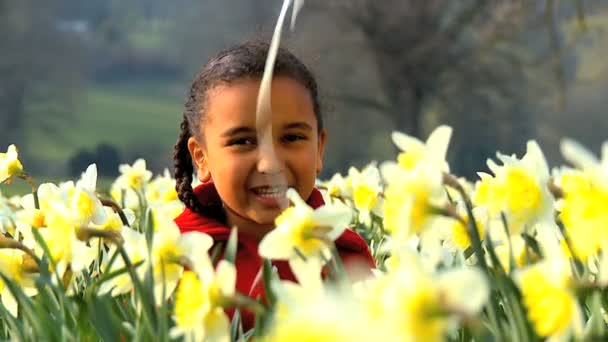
<point>105,80</point>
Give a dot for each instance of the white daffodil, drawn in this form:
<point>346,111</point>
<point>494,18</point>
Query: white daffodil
<point>10,164</point>
<point>366,192</point>
<point>416,152</point>
<point>518,189</point>
<point>129,188</point>
<point>199,299</point>
<point>335,314</point>
<point>337,186</point>
<point>581,157</point>
<point>85,205</point>
<point>162,189</point>
<point>136,248</point>
<point>7,215</point>
<point>303,233</point>
<point>134,176</point>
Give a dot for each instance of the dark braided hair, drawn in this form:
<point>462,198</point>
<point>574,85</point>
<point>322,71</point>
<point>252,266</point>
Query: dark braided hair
<point>245,60</point>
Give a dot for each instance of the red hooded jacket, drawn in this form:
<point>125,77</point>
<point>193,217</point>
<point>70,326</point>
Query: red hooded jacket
<point>352,248</point>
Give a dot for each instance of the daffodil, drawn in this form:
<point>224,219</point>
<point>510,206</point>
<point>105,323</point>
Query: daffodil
<point>10,164</point>
<point>337,186</point>
<point>14,266</point>
<point>168,249</point>
<point>585,192</point>
<point>411,202</point>
<point>335,314</point>
<point>85,205</point>
<point>518,189</point>
<point>418,306</point>
<point>548,296</point>
<point>199,303</point>
<point>457,235</point>
<point>131,186</point>
<point>366,191</point>
<point>135,246</point>
<point>7,215</point>
<point>134,176</point>
<point>582,158</point>
<point>304,233</point>
<point>416,152</point>
<point>66,250</point>
<point>162,189</point>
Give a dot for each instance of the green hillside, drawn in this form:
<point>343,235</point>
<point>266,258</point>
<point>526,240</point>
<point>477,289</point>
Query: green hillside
<point>128,115</point>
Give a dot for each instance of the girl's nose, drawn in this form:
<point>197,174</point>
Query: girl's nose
<point>269,161</point>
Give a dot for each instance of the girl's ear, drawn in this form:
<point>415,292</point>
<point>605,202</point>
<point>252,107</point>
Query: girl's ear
<point>321,150</point>
<point>197,153</point>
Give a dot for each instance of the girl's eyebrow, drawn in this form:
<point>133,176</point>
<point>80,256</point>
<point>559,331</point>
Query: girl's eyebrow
<point>237,130</point>
<point>300,125</point>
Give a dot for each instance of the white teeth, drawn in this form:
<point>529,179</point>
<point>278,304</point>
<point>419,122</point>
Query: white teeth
<point>270,192</point>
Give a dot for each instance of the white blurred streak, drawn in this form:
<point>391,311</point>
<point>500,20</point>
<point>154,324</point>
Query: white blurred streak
<point>272,167</point>
<point>297,6</point>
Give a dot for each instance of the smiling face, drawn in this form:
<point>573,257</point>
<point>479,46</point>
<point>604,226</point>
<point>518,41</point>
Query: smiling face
<point>250,176</point>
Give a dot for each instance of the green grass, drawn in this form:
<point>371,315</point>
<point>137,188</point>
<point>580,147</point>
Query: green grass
<point>126,115</point>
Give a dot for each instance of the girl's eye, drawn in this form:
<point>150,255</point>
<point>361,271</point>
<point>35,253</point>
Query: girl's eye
<point>293,137</point>
<point>247,141</point>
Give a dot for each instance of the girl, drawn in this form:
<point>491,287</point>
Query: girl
<point>218,140</point>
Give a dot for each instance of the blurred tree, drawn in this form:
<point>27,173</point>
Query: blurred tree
<point>40,69</point>
<point>437,50</point>
<point>464,63</point>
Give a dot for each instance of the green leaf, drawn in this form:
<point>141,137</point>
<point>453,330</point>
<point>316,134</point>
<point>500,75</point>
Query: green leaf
<point>235,325</point>
<point>231,247</point>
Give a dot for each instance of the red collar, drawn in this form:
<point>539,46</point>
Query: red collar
<point>211,222</point>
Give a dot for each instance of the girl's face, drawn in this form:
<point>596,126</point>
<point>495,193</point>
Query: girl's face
<point>251,179</point>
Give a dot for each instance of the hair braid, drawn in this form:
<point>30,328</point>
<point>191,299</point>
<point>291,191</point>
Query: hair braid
<point>183,169</point>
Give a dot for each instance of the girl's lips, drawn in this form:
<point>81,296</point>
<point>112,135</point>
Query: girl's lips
<point>270,197</point>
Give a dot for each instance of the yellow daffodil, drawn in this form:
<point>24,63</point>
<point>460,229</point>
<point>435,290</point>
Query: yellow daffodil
<point>411,202</point>
<point>9,164</point>
<point>199,301</point>
<point>168,248</point>
<point>304,233</point>
<point>457,235</point>
<point>13,267</point>
<point>518,189</point>
<point>548,296</point>
<point>417,306</point>
<point>585,192</point>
